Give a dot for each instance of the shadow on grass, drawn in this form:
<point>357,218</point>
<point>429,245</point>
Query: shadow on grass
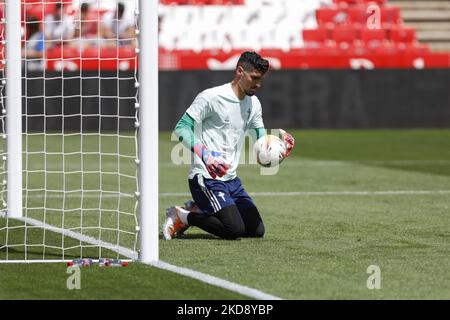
<point>194,237</point>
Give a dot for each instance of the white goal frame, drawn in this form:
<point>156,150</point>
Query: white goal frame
<point>148,129</point>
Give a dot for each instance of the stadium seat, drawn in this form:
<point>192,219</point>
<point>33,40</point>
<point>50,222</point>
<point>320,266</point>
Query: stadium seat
<point>173,2</point>
<point>417,49</point>
<point>330,15</point>
<point>401,34</point>
<point>386,49</point>
<point>201,2</point>
<point>357,15</point>
<point>390,15</point>
<point>373,37</point>
<point>64,52</point>
<point>347,2</point>
<point>345,35</point>
<point>203,27</point>
<point>357,49</point>
<point>355,2</point>
<point>315,37</point>
<point>322,50</point>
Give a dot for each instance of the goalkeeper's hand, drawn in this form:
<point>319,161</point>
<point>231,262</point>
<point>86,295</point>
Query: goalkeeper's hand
<point>289,141</point>
<point>214,163</point>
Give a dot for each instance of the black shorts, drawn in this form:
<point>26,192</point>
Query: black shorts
<point>213,195</point>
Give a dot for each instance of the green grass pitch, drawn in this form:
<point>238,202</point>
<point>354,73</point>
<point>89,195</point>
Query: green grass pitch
<point>320,239</point>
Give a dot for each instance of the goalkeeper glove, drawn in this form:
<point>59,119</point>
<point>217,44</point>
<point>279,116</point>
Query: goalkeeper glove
<point>289,141</point>
<point>214,163</point>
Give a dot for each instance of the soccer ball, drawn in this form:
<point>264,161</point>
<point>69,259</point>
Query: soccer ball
<point>269,150</point>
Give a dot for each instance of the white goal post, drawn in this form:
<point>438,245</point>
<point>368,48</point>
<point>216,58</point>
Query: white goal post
<point>149,131</point>
<point>79,147</point>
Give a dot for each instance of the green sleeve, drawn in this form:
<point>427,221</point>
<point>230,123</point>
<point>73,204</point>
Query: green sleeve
<point>260,132</point>
<point>257,133</point>
<point>185,131</point>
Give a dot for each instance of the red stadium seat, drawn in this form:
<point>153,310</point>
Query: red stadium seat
<point>38,10</point>
<point>357,15</point>
<point>330,15</point>
<point>353,2</point>
<point>314,37</point>
<point>386,49</point>
<point>202,2</point>
<point>348,2</point>
<point>380,2</point>
<point>127,52</point>
<point>63,53</point>
<point>373,37</point>
<point>357,49</point>
<point>406,35</point>
<point>390,15</point>
<point>417,49</point>
<point>322,50</point>
<point>174,2</point>
<point>344,35</point>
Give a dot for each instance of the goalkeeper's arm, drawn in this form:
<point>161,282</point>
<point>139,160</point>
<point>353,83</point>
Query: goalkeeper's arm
<point>256,133</point>
<point>213,161</point>
<point>185,131</point>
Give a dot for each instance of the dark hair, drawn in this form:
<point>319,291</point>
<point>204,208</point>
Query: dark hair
<point>120,8</point>
<point>84,7</point>
<point>251,60</point>
<point>33,25</point>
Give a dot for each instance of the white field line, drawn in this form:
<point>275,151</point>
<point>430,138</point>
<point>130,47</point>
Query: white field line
<point>113,168</point>
<point>206,278</point>
<point>246,291</point>
<point>49,261</point>
<point>341,163</point>
<point>96,195</point>
<point>327,193</point>
<point>120,250</point>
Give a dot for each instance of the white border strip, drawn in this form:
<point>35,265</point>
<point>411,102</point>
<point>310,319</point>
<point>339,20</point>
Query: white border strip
<point>231,286</point>
<point>256,194</point>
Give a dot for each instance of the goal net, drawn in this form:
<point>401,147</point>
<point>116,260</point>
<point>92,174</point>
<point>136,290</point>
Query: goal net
<point>78,191</point>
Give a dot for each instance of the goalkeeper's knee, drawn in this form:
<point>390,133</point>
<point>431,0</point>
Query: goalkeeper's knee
<point>233,225</point>
<point>254,225</point>
<point>259,232</point>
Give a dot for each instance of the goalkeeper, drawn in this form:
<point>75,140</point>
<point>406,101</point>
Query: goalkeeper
<point>214,129</point>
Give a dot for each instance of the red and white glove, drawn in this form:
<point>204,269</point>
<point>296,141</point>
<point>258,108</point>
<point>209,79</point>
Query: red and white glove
<point>214,163</point>
<point>289,141</point>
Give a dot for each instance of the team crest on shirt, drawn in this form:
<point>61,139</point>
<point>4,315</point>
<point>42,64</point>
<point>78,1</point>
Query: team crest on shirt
<point>222,195</point>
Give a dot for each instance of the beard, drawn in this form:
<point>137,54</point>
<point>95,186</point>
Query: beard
<point>250,92</point>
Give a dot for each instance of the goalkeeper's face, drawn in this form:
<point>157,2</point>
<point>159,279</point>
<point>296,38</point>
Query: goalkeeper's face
<point>251,81</point>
